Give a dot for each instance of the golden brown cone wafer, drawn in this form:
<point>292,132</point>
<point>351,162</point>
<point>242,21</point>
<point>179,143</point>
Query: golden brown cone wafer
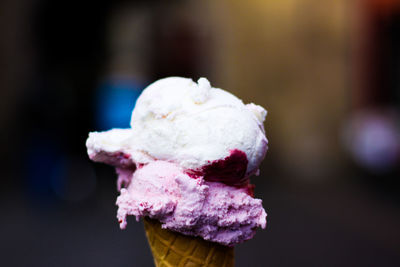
<point>172,249</point>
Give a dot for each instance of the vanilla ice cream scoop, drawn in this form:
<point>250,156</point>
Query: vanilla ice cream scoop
<point>203,129</point>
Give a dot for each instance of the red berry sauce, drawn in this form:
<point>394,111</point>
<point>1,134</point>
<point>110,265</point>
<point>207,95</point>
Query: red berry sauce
<point>230,170</point>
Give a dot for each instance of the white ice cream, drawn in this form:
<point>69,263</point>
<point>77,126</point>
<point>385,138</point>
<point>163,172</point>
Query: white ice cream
<point>191,124</point>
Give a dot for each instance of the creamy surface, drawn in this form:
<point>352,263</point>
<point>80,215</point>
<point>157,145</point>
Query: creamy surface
<point>191,124</point>
<point>214,211</point>
<point>187,159</point>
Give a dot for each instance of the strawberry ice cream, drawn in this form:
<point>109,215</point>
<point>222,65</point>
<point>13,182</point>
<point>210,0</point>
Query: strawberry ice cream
<point>187,159</point>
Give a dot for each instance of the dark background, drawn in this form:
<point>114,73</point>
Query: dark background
<point>328,73</point>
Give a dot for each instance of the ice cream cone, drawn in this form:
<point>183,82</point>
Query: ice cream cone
<point>172,249</point>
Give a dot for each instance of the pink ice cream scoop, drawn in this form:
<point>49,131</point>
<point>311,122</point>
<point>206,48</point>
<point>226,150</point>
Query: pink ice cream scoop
<point>187,160</point>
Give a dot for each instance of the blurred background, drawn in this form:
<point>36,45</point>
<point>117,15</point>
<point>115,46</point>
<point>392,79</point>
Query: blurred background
<point>328,72</point>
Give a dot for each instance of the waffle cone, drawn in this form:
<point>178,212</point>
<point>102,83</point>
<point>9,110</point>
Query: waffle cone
<point>172,249</point>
